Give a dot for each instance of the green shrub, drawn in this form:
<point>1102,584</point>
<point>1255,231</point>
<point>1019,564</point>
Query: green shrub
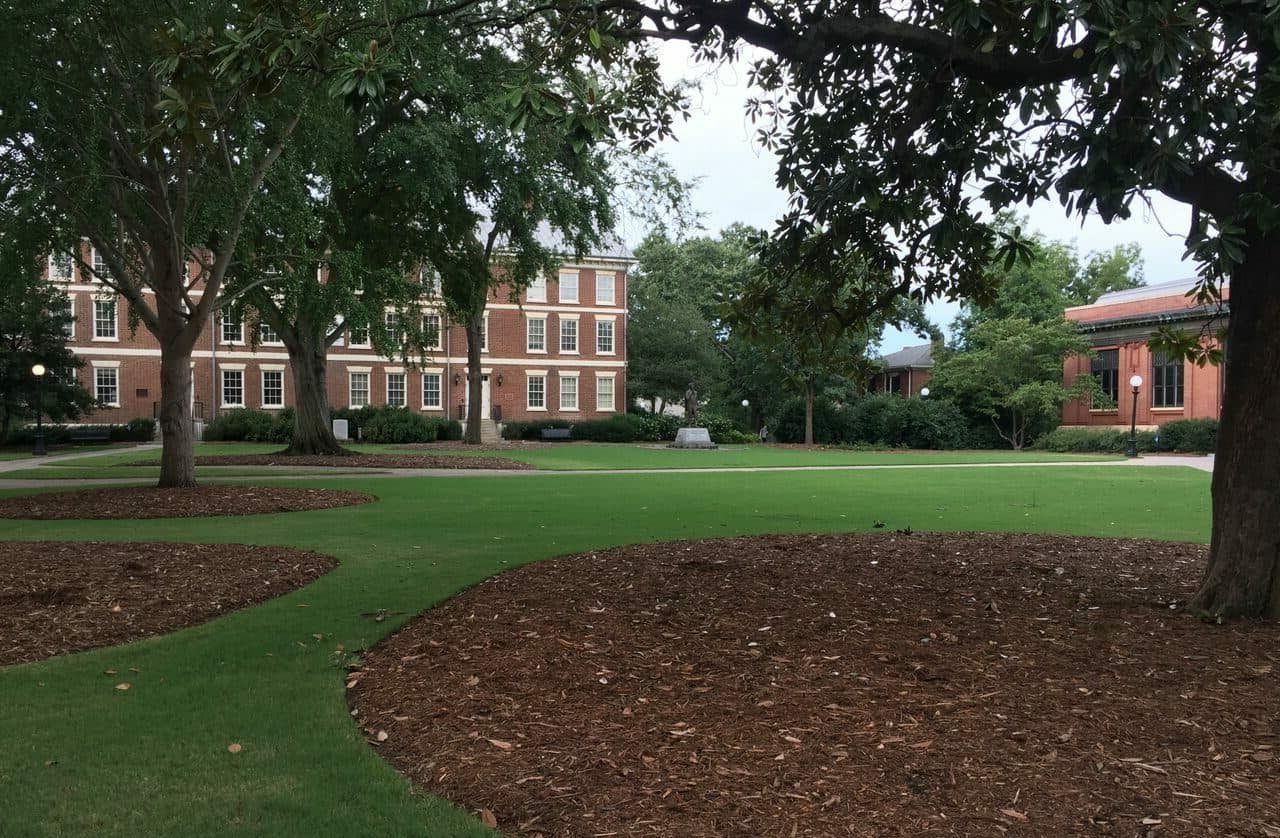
<point>614,429</point>
<point>655,427</point>
<point>446,429</point>
<point>935,424</point>
<point>397,425</point>
<point>1198,436</point>
<point>789,427</point>
<point>530,430</point>
<point>1084,440</point>
<point>140,429</point>
<point>242,425</point>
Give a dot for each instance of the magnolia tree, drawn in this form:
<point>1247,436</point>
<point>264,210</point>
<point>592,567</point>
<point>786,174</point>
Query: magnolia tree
<point>899,125</point>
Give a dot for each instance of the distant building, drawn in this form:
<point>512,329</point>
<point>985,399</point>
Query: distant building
<point>559,351</point>
<point>1118,326</point>
<point>904,372</point>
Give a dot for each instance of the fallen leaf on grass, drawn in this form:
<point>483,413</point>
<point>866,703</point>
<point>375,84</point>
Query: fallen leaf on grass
<point>123,686</point>
<point>489,819</point>
<point>234,748</point>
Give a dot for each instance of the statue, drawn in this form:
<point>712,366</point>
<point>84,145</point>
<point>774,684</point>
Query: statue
<point>690,404</point>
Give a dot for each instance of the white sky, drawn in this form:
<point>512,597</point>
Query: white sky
<point>737,184</point>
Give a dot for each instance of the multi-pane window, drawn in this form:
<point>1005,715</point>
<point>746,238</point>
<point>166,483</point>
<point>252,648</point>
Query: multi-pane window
<point>232,327</point>
<point>99,266</point>
<point>395,389</point>
<point>568,392</point>
<point>104,319</point>
<point>359,335</point>
<point>266,334</point>
<point>430,280</point>
<point>568,286</point>
<point>1166,381</point>
<point>604,393</point>
<point>61,267</point>
<point>431,389</point>
<point>233,388</point>
<point>273,388</point>
<point>431,331</point>
<point>106,386</point>
<point>537,334</point>
<point>604,289</point>
<point>484,333</point>
<point>391,320</point>
<point>568,335</point>
<point>359,389</point>
<point>538,290</point>
<point>68,310</point>
<point>538,391</point>
<point>604,337</point>
<point>1106,368</point>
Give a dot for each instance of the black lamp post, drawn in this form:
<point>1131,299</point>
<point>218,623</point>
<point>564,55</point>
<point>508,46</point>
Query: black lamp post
<point>1132,450</point>
<point>39,449</point>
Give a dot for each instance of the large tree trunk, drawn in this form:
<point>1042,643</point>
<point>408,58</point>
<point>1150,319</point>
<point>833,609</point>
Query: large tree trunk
<point>1243,577</point>
<point>808,412</point>
<point>312,429</point>
<point>474,385</point>
<point>177,455</point>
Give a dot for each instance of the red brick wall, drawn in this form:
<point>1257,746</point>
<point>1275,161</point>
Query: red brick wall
<point>1202,392</point>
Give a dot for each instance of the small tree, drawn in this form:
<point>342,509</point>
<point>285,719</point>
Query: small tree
<point>1011,373</point>
<point>34,318</point>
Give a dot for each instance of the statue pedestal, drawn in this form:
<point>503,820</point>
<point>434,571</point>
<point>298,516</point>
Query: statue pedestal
<point>693,438</point>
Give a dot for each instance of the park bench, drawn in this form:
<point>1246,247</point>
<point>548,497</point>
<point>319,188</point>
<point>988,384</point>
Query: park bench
<point>90,434</point>
<point>555,433</point>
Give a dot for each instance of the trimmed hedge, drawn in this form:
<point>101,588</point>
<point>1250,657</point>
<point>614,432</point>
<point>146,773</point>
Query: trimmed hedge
<point>1183,436</point>
<point>141,429</point>
<point>244,424</point>
<point>1199,436</point>
<point>387,423</point>
<point>619,428</point>
<point>531,431</point>
<point>878,419</point>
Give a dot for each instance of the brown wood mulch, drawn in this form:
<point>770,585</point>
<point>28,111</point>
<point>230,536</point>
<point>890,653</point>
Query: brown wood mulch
<point>58,597</point>
<point>891,684</point>
<point>151,502</point>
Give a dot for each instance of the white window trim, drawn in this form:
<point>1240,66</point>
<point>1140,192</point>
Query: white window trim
<point>539,282</point>
<point>607,376</point>
<point>93,266</point>
<point>543,350</point>
<point>115,305</point>
<point>263,369</point>
<point>614,295</point>
<point>611,320</point>
<point>566,318</point>
<point>276,342</point>
<point>71,306</point>
<point>484,336</point>
<point>222,331</point>
<point>58,278</point>
<point>353,371</point>
<point>223,369</point>
<point>368,344</point>
<point>106,365</point>
<point>577,392</point>
<point>438,346</point>
<point>439,373</point>
<point>387,373</point>
<point>577,287</point>
<point>528,374</point>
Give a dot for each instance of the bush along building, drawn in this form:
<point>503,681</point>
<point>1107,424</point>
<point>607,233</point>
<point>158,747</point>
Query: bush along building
<point>1119,326</point>
<point>556,352</point>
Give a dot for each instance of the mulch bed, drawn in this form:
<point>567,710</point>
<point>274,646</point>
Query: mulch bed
<point>151,502</point>
<point>60,596</point>
<point>891,684</point>
<point>357,461</point>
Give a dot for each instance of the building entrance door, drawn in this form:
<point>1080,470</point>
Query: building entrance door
<point>484,398</point>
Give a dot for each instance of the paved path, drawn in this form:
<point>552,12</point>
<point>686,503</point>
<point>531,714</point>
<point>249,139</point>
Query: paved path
<point>1201,463</point>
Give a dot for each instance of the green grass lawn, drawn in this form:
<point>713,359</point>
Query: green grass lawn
<point>566,457</point>
<point>81,758</point>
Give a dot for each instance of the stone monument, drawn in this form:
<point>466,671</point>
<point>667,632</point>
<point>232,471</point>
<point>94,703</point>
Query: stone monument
<point>688,436</point>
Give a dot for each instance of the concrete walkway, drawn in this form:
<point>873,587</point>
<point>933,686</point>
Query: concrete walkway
<point>37,462</point>
<point>1202,463</point>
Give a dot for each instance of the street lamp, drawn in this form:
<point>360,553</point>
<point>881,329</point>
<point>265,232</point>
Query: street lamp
<point>39,450</point>
<point>924,392</point>
<point>1132,450</point>
<point>746,403</point>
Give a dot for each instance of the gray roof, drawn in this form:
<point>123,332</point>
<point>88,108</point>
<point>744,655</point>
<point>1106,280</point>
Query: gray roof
<point>612,248</point>
<point>916,357</point>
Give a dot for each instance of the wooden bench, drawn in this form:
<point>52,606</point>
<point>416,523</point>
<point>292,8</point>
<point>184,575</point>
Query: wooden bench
<point>549,434</point>
<point>90,435</point>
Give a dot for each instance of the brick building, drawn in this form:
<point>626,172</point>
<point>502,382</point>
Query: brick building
<point>904,372</point>
<point>1118,326</point>
<point>560,351</point>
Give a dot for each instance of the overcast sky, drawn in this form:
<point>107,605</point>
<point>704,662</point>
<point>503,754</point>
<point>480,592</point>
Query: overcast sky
<point>737,184</point>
